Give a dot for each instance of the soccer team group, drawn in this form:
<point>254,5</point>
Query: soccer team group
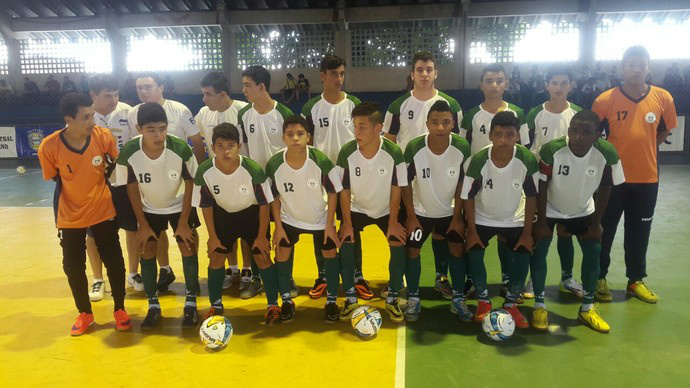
<point>423,169</point>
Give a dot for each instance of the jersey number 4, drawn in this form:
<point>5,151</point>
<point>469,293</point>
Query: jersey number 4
<point>482,129</point>
<point>489,184</point>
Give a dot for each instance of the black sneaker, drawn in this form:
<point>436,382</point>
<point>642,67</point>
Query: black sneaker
<point>190,318</point>
<point>287,311</point>
<point>504,293</point>
<point>165,279</point>
<point>470,292</point>
<point>332,312</point>
<point>153,316</point>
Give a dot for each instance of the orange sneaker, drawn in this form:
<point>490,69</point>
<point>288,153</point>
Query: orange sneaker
<point>483,308</point>
<point>319,288</point>
<point>122,321</point>
<point>213,311</point>
<point>84,320</point>
<point>520,320</point>
<point>363,290</point>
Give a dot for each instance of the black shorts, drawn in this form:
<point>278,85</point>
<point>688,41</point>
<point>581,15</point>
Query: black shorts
<point>576,226</point>
<point>361,220</point>
<point>511,235</point>
<point>159,222</point>
<point>439,225</point>
<point>243,224</point>
<point>125,215</point>
<point>294,232</point>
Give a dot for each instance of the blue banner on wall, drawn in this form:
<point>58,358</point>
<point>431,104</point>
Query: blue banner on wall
<point>29,138</point>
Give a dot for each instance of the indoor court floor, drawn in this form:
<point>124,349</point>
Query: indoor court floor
<point>648,344</point>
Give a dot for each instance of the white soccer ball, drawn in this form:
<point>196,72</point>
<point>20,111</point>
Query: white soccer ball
<point>21,170</point>
<point>498,325</point>
<point>215,332</point>
<point>366,320</point>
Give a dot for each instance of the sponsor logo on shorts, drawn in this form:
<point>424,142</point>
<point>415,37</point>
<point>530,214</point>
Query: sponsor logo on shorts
<point>650,117</point>
<point>647,219</point>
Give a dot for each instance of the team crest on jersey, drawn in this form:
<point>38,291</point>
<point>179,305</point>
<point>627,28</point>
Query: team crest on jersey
<point>591,171</point>
<point>173,175</point>
<point>516,184</point>
<point>97,160</point>
<point>244,190</point>
<point>650,117</point>
<point>312,183</point>
<point>346,122</point>
<point>382,170</point>
<point>452,172</point>
<point>273,130</point>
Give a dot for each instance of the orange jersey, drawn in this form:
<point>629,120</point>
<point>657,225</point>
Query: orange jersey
<point>82,197</point>
<point>633,126</point>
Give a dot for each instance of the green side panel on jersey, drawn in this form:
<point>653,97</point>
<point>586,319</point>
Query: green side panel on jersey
<point>179,147</point>
<point>576,108</point>
<point>518,112</point>
<point>393,150</point>
<point>474,170</point>
<point>321,160</point>
<point>413,147</point>
<point>241,113</point>
<point>274,163</point>
<point>548,150</point>
<point>129,149</point>
<point>527,158</point>
<point>608,150</point>
<point>284,111</point>
<point>203,167</point>
<point>306,109</point>
<point>453,103</point>
<point>348,149</point>
<point>532,116</point>
<point>354,99</point>
<point>469,117</point>
<point>257,174</point>
<point>461,144</point>
<point>394,107</point>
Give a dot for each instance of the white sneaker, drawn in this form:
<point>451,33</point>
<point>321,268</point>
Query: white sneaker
<point>97,290</point>
<point>134,280</point>
<point>571,285</point>
<point>230,279</point>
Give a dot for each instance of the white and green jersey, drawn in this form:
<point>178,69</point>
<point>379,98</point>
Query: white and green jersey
<point>207,119</point>
<point>477,123</point>
<point>370,180</point>
<point>161,180</point>
<point>544,126</point>
<point>180,120</point>
<point>302,191</point>
<point>572,180</point>
<point>330,124</point>
<point>117,122</point>
<point>435,178</point>
<point>234,192</point>
<point>406,116</point>
<point>263,133</point>
<point>498,192</point>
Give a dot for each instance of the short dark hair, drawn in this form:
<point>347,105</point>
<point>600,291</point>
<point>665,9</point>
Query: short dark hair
<point>225,131</point>
<point>217,81</point>
<point>71,102</point>
<point>587,116</point>
<point>259,75</point>
<point>151,112</point>
<point>505,119</point>
<point>153,75</point>
<point>636,51</point>
<point>423,56</point>
<point>555,70</point>
<point>492,68</point>
<point>331,62</point>
<point>440,106</point>
<point>369,109</point>
<point>295,119</point>
<point>101,82</point>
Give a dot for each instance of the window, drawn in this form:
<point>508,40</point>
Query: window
<point>174,49</point>
<point>277,50</point>
<point>664,37</point>
<point>85,54</point>
<point>3,58</point>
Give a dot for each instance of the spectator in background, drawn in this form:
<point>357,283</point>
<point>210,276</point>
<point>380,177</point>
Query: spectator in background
<point>602,82</point>
<point>68,85</point>
<point>513,94</point>
<point>599,72</point>
<point>30,87</point>
<point>673,80</point>
<point>615,77</point>
<point>169,87</point>
<point>540,94</point>
<point>536,78</point>
<point>289,91</point>
<point>515,76</point>
<point>5,92</point>
<point>129,91</point>
<point>409,84</point>
<point>52,85</point>
<point>84,85</point>
<point>303,87</point>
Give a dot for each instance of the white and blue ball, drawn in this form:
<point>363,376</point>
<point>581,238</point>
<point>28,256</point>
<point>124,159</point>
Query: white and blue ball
<point>366,320</point>
<point>498,325</point>
<point>215,332</point>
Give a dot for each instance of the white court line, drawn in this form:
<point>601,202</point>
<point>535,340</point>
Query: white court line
<point>400,357</point>
<point>18,175</point>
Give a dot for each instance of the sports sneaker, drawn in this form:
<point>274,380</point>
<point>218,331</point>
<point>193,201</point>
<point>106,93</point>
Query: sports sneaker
<point>272,315</point>
<point>459,308</point>
<point>394,312</point>
<point>294,291</point>
<point>540,319</point>
<point>190,317</point>
<point>348,309</point>
<point>245,279</point>
<point>363,289</point>
<point>165,279</point>
<point>483,308</point>
<point>412,309</point>
<point>504,292</point>
<point>402,294</point>
<point>443,286</point>
<point>571,285</point>
<point>520,320</point>
<point>122,321</point>
<point>230,278</point>
<point>332,312</point>
<point>97,291</point>
<point>470,291</point>
<point>602,293</point>
<point>153,316</point>
<point>135,281</point>
<point>213,311</point>
<point>528,290</point>
<point>593,319</point>
<point>287,311</point>
<point>84,320</point>
<point>640,290</point>
<point>255,288</point>
<point>319,288</point>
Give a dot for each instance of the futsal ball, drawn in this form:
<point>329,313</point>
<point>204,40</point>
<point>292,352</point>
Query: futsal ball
<point>21,170</point>
<point>366,320</point>
<point>215,332</point>
<point>498,325</point>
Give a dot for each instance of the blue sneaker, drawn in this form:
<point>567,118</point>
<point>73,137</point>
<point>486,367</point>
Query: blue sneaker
<point>459,308</point>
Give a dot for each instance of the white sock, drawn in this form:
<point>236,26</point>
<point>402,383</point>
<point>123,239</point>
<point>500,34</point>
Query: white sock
<point>586,307</point>
<point>539,306</point>
<point>166,267</point>
<point>233,268</point>
<point>98,280</point>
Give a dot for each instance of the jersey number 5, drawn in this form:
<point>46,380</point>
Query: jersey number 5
<point>216,189</point>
